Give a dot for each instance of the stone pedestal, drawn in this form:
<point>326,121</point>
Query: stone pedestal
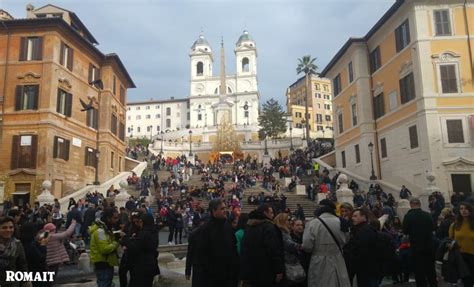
<point>344,193</point>
<point>266,159</point>
<point>300,189</point>
<point>45,197</point>
<point>123,196</point>
<point>402,208</point>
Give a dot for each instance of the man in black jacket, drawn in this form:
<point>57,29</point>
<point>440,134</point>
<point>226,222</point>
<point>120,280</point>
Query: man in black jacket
<point>262,262</point>
<point>195,258</point>
<point>221,263</point>
<point>418,224</point>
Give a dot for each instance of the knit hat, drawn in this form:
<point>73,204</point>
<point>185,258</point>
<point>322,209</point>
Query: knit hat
<point>49,227</point>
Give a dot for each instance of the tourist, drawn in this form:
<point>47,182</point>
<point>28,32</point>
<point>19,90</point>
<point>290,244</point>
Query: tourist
<point>299,213</point>
<point>262,258</point>
<point>405,193</point>
<point>221,266</point>
<point>196,257</point>
<point>239,234</point>
<point>34,244</point>
<point>418,225</point>
<point>346,211</point>
<point>179,225</point>
<point>56,254</point>
<point>327,266</point>
<point>463,232</point>
<point>12,254</point>
<point>103,247</point>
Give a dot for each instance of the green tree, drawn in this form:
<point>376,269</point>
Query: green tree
<point>307,66</point>
<point>272,119</point>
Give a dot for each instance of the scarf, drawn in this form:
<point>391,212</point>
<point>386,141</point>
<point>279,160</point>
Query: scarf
<point>7,252</point>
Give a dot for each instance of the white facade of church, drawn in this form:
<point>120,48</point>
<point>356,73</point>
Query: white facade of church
<point>242,94</point>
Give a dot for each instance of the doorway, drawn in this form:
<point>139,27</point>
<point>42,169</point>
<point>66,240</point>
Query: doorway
<point>461,183</point>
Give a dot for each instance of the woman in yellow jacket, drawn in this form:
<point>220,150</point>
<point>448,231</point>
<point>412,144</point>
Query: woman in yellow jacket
<point>462,230</point>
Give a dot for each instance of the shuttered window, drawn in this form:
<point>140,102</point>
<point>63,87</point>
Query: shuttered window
<point>455,131</point>
<point>413,137</point>
<point>442,23</point>
<point>407,88</point>
<point>375,60</point>
<point>379,108</point>
<point>343,156</point>
<point>340,123</point>
<point>449,81</point>
<point>122,95</point>
<point>383,147</point>
<point>61,148</point>
<point>92,118</point>
<point>94,73</point>
<point>66,56</point>
<point>64,103</point>
<point>357,153</point>
<point>31,48</point>
<point>122,131</point>
<point>336,83</point>
<point>26,97</point>
<point>351,72</point>
<point>24,150</point>
<point>90,157</point>
<point>113,124</point>
<point>402,36</point>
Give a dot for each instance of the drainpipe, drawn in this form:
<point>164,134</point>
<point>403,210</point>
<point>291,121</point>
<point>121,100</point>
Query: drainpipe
<point>466,25</point>
<point>5,74</point>
<point>376,134</point>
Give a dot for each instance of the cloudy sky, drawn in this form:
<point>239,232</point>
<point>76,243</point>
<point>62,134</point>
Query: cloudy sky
<point>153,37</point>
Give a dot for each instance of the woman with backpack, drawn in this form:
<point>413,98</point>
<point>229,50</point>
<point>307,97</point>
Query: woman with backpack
<point>462,231</point>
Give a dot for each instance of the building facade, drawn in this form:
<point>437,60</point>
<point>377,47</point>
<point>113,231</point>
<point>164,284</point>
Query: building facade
<point>51,70</point>
<point>319,105</point>
<point>149,118</point>
<point>406,88</point>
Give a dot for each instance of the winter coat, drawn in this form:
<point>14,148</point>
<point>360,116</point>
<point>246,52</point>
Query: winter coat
<point>196,258</point>
<point>36,260</point>
<point>418,224</point>
<point>291,249</point>
<point>143,257</point>
<point>55,250</point>
<point>454,267</point>
<point>103,246</point>
<point>327,266</point>
<point>261,251</point>
<point>15,262</point>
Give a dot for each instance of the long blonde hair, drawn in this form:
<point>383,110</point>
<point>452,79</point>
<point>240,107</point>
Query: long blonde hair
<point>281,221</point>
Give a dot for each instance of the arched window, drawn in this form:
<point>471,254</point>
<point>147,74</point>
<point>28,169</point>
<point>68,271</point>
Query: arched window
<point>199,68</point>
<point>245,65</point>
<point>229,90</point>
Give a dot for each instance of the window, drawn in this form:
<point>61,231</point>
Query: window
<point>379,109</point>
<point>449,81</point>
<point>121,131</point>
<point>317,87</point>
<point>383,147</point>
<point>199,117</point>
<point>138,129</point>
<point>148,117</point>
<point>354,114</point>
<point>113,124</point>
<point>26,97</point>
<point>66,56</point>
<point>407,88</point>
<point>168,111</point>
<point>328,118</point>
<point>157,116</point>
<point>402,36</point>
<point>114,87</point>
<point>336,82</point>
<point>326,88</point>
<point>137,108</point>
<point>455,131</point>
<point>299,126</point>
<point>245,64</point>
<point>138,117</point>
<point>64,103</point>
<point>318,95</point>
<point>90,157</point>
<point>188,116</point>
<point>393,100</point>
<point>246,114</point>
<point>94,73</point>
<point>112,158</point>
<point>122,95</point>
<point>442,23</point>
<point>24,149</point>
<point>375,61</point>
<point>343,156</point>
<point>351,73</point>
<point>92,118</point>
<point>61,148</point>
<point>340,123</point>
<point>31,48</point>
<point>149,128</point>
<point>157,106</point>
<point>327,97</point>
<point>199,69</point>
<point>413,137</point>
<point>327,107</point>
<point>147,107</point>
<point>168,123</point>
<point>157,128</point>
<point>357,153</point>
<point>319,118</point>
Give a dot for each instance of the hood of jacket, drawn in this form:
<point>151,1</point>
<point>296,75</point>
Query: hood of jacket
<point>256,218</point>
<point>98,224</point>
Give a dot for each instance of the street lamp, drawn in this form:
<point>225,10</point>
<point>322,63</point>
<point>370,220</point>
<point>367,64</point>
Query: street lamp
<point>291,139</point>
<point>371,148</point>
<point>246,109</point>
<point>161,151</point>
<point>190,143</point>
<point>266,149</point>
<point>131,131</point>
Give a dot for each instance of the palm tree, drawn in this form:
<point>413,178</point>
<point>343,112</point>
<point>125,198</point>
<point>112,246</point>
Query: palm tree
<point>307,66</point>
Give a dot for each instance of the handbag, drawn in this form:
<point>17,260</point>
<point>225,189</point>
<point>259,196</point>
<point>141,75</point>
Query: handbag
<point>294,273</point>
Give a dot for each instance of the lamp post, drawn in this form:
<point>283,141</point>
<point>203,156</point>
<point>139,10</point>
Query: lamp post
<point>291,139</point>
<point>161,151</point>
<point>371,149</point>
<point>246,109</point>
<point>131,131</point>
<point>190,143</point>
<point>266,149</point>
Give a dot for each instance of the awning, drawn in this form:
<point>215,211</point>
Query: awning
<point>20,192</point>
